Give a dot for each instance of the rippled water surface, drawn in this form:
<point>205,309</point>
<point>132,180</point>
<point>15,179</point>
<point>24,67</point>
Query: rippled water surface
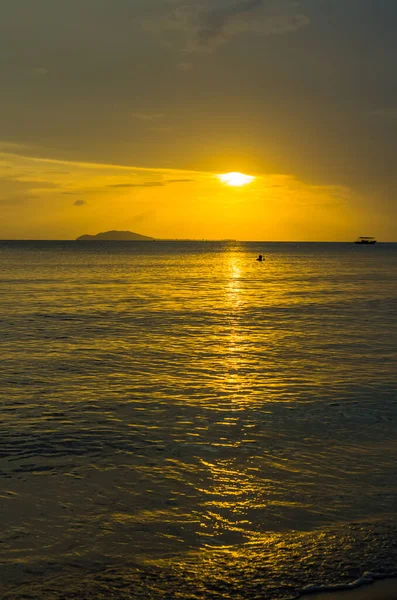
<point>181,421</point>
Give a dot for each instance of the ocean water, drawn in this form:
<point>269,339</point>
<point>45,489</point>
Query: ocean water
<point>179,421</point>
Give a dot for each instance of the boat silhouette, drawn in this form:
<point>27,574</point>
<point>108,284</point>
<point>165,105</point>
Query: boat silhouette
<point>365,240</point>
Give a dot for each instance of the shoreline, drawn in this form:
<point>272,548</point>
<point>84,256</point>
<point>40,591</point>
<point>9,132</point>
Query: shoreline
<point>377,588</point>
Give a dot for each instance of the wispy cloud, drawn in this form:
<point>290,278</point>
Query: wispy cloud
<point>31,163</point>
<point>139,185</point>
<point>149,184</point>
<point>179,180</point>
<point>17,190</point>
<point>205,27</point>
<point>22,182</point>
<point>216,24</point>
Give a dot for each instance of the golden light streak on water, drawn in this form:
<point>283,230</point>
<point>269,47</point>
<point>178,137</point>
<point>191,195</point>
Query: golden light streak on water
<point>197,409</point>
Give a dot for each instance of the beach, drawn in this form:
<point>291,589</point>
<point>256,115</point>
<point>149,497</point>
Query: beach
<point>385,589</point>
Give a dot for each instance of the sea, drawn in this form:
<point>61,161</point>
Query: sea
<point>179,421</point>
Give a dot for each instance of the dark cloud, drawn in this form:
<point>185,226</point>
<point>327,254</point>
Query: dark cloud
<point>214,23</point>
<point>178,180</point>
<point>217,25</point>
<point>205,25</point>
<point>79,203</point>
<point>149,183</point>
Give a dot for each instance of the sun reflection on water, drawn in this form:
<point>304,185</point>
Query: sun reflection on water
<point>202,400</point>
<point>234,335</point>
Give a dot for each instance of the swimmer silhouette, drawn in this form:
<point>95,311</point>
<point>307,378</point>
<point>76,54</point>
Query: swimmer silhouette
<point>260,258</point>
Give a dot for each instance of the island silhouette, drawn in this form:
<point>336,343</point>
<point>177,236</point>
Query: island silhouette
<point>116,236</point>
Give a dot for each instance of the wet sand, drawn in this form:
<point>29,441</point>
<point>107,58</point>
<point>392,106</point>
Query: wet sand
<point>385,589</point>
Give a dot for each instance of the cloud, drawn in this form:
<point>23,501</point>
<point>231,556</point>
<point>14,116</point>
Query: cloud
<point>32,163</point>
<point>216,23</point>
<point>79,203</point>
<point>137,185</point>
<point>19,182</point>
<point>206,27</point>
<point>257,16</point>
<point>179,180</point>
<point>149,183</point>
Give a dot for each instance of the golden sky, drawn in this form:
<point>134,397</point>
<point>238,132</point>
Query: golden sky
<point>55,199</point>
<point>119,115</point>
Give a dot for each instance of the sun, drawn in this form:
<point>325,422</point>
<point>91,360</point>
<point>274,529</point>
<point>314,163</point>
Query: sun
<point>235,179</point>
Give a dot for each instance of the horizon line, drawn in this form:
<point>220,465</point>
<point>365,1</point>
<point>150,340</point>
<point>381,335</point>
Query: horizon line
<point>204,240</point>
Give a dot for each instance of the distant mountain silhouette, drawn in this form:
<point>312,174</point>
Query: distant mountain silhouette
<point>118,236</point>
